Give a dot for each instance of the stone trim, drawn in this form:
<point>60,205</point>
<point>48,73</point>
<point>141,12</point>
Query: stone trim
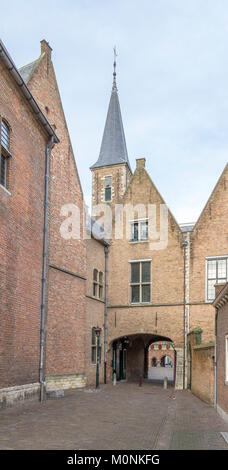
<point>204,346</point>
<point>64,382</point>
<point>11,395</point>
<point>65,271</point>
<point>95,298</point>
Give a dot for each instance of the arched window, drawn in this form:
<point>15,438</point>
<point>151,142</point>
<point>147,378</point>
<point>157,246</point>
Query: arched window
<point>5,154</point>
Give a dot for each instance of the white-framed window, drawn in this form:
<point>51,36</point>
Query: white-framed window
<point>140,281</point>
<point>139,230</point>
<point>226,359</point>
<point>216,273</point>
<point>108,188</point>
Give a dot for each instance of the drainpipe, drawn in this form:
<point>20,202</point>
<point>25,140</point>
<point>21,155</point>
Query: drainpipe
<point>44,270</point>
<point>184,245</point>
<point>215,361</point>
<point>106,313</point>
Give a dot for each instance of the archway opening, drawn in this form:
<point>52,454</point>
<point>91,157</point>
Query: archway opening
<point>161,361</point>
<point>132,357</point>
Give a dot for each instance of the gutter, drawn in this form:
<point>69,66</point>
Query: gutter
<point>184,245</point>
<point>44,270</point>
<point>106,312</point>
<point>11,67</point>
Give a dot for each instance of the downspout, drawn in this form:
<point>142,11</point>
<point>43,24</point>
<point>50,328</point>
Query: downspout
<point>184,245</point>
<point>44,269</point>
<point>106,313</point>
<point>215,361</point>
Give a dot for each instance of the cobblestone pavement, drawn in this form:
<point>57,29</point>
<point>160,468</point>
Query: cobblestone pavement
<point>122,417</point>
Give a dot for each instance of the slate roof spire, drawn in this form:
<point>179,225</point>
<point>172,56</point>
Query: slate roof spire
<point>113,146</point>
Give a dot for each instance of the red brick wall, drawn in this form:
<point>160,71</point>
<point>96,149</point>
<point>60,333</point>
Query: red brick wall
<point>66,300</point>
<point>202,369</point>
<point>222,332</point>
<point>21,235</point>
<point>94,307</point>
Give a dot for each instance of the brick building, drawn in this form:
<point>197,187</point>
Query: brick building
<point>146,279</point>
<point>26,140</point>
<point>66,304</point>
<point>43,312</point>
<point>161,277</point>
<point>221,395</point>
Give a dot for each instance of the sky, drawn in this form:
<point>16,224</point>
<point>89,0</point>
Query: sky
<point>172,79</point>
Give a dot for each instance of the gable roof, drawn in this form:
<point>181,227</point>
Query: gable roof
<point>154,186</point>
<point>209,199</point>
<point>11,67</point>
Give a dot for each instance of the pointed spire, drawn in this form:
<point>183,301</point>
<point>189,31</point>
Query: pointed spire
<point>113,147</point>
<point>114,87</point>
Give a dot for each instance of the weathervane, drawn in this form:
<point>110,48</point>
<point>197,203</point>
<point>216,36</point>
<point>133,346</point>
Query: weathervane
<point>114,67</point>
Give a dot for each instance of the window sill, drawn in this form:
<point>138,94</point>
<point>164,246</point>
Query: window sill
<point>138,241</point>
<point>140,303</point>
<point>95,298</point>
<point>6,190</point>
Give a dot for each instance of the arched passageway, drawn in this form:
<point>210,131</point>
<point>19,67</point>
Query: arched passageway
<point>161,361</point>
<point>130,356</point>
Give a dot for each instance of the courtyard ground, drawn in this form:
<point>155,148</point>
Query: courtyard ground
<point>119,417</point>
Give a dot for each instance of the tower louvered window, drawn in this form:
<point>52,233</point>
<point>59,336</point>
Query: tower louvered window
<point>108,188</point>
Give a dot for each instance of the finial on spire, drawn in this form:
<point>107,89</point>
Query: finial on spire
<point>114,87</point>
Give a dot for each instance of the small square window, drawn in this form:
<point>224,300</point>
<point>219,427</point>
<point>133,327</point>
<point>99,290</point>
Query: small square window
<point>139,231</point>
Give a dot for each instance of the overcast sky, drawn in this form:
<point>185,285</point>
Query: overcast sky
<point>172,78</point>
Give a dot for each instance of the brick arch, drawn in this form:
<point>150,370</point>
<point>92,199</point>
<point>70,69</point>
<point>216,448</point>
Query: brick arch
<point>135,348</point>
<point>148,337</point>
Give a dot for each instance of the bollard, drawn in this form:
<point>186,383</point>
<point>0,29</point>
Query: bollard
<point>140,380</point>
<point>165,382</point>
<point>114,378</point>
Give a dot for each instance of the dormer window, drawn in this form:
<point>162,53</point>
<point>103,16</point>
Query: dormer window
<point>139,231</point>
<point>5,154</point>
<point>108,189</point>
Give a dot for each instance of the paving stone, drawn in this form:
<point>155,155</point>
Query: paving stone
<point>124,417</point>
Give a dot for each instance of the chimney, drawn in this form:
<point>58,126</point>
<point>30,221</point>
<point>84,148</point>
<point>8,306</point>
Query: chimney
<point>140,162</point>
<point>45,48</point>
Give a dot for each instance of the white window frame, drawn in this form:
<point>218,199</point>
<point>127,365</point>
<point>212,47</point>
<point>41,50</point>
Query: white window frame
<point>139,222</point>
<point>140,283</point>
<point>211,258</point>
